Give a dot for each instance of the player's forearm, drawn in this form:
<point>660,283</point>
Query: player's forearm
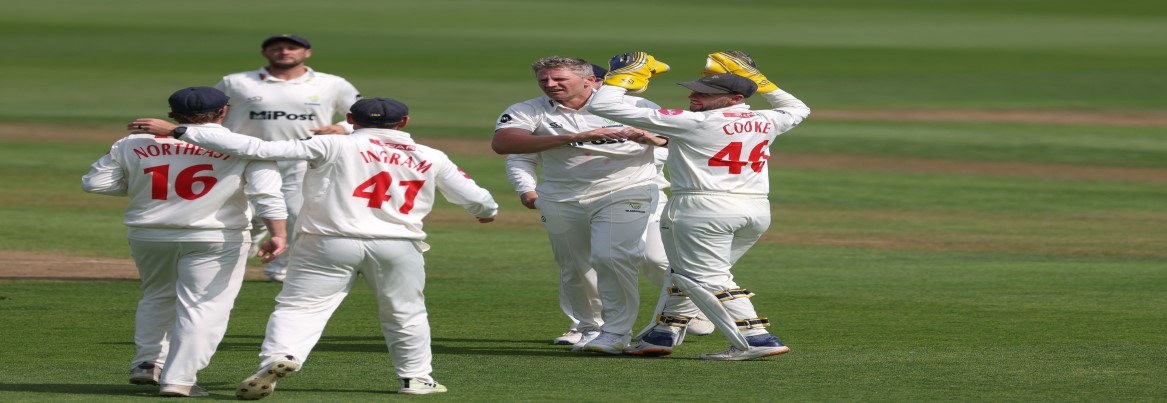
<point>510,141</point>
<point>277,228</point>
<point>520,170</point>
<point>786,101</point>
<point>104,178</point>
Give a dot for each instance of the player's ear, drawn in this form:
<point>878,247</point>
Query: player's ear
<point>348,117</point>
<point>308,53</point>
<point>404,121</point>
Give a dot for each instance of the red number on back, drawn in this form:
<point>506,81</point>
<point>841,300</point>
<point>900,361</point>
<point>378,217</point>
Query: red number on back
<point>731,155</point>
<point>183,184</point>
<point>376,189</point>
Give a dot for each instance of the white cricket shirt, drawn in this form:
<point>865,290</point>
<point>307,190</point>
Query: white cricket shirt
<point>183,192</point>
<point>580,170</point>
<point>273,109</point>
<point>374,183</point>
<point>717,151</point>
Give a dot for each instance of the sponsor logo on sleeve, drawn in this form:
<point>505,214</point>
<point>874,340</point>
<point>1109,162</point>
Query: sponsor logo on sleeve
<point>506,117</point>
<point>669,112</point>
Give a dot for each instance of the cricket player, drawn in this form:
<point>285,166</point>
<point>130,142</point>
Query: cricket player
<point>287,100</point>
<point>521,171</point>
<point>368,193</point>
<point>596,197</point>
<point>187,224</point>
<point>720,208</point>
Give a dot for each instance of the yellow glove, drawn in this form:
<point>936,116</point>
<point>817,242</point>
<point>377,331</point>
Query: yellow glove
<point>632,70</point>
<point>739,63</point>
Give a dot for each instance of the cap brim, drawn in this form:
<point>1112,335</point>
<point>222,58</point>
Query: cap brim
<point>703,88</point>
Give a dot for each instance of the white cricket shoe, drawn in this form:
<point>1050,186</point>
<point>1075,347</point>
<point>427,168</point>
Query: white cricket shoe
<point>762,345</point>
<point>657,343</point>
<point>420,387</point>
<point>568,337</point>
<point>146,373</point>
<point>263,382</point>
<point>700,326</point>
<point>584,339</point>
<point>182,391</point>
<point>276,277</point>
<point>609,343</point>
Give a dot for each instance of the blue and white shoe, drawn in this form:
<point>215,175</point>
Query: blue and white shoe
<point>762,345</point>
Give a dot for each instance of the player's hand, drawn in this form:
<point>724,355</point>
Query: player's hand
<point>331,129</point>
<point>603,133</point>
<point>485,220</point>
<point>528,199</point>
<point>643,137</point>
<point>271,249</point>
<point>632,70</point>
<point>153,126</point>
<point>739,63</point>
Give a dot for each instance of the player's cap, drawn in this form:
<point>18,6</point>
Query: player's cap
<point>598,71</point>
<point>197,100</point>
<point>286,38</point>
<point>378,111</point>
<point>723,84</point>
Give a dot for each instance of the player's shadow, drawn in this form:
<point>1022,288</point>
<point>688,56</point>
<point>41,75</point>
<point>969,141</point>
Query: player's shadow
<point>55,391</point>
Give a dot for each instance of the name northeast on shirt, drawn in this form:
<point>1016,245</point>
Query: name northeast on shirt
<point>160,150</point>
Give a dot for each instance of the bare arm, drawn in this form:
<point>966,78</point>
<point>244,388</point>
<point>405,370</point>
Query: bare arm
<point>518,141</point>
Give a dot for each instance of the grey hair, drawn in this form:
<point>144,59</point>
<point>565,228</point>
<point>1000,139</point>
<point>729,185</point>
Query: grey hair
<point>581,67</point>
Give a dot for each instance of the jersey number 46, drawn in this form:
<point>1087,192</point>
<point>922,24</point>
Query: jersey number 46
<point>731,156</point>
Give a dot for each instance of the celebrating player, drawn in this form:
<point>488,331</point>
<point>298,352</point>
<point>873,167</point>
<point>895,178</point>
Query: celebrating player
<point>286,100</point>
<point>596,196</point>
<point>187,222</point>
<point>521,170</point>
<point>717,163</point>
<point>369,194</point>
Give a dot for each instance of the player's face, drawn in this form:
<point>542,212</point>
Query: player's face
<point>563,84</point>
<point>703,102</point>
<point>285,55</point>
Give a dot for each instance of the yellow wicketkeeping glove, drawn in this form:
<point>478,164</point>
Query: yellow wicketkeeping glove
<point>632,70</point>
<point>740,63</point>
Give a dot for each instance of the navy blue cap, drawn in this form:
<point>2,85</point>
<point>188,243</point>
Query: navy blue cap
<point>197,100</point>
<point>378,111</point>
<point>599,71</point>
<point>286,37</point>
<point>723,84</point>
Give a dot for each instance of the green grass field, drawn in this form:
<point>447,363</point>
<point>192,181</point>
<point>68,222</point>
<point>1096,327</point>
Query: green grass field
<point>909,260</point>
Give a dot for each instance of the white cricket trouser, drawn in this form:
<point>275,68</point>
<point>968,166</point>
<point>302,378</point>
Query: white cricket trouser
<point>601,238</point>
<point>188,290</point>
<point>704,235</point>
<point>292,174</point>
<point>321,272</point>
<point>653,268</point>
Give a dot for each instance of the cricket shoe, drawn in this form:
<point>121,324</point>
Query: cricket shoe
<point>762,345</point>
<point>182,391</point>
<point>700,326</point>
<point>419,387</point>
<point>263,383</point>
<point>584,339</point>
<point>568,337</point>
<point>146,373</point>
<point>608,343</point>
<point>657,343</point>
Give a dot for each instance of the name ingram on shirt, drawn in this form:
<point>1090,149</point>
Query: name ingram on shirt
<point>277,115</point>
<point>393,157</point>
